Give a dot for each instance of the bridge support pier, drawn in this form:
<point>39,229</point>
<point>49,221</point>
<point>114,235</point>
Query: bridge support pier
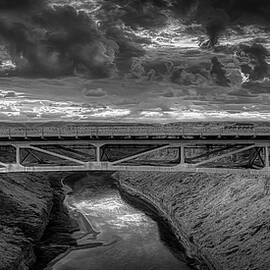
<point>18,156</point>
<point>182,154</point>
<point>266,150</point>
<point>98,153</point>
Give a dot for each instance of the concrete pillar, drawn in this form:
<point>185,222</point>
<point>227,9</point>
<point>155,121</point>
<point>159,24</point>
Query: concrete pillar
<point>98,153</point>
<point>59,133</point>
<point>182,154</point>
<point>18,158</point>
<point>266,150</point>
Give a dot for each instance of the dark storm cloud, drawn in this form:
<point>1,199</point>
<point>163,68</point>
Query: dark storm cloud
<point>50,41</point>
<point>214,15</point>
<point>20,4</point>
<point>218,73</point>
<point>128,47</point>
<point>257,87</point>
<point>257,68</point>
<point>135,13</point>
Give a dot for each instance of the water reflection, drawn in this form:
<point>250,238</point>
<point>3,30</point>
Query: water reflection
<point>130,239</point>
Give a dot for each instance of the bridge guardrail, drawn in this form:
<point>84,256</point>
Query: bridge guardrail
<point>5,133</point>
<point>75,131</point>
<point>262,131</point>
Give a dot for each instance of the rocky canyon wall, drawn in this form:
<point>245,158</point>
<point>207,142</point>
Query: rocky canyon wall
<point>33,220</point>
<point>221,220</point>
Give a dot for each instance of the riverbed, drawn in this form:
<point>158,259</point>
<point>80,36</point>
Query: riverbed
<point>115,234</point>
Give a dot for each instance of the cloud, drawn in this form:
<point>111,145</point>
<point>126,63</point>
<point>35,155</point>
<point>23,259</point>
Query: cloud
<point>168,93</point>
<point>136,13</point>
<point>216,15</point>
<point>129,57</point>
<point>241,93</point>
<point>257,68</point>
<point>218,73</point>
<point>50,41</point>
<point>258,87</point>
<point>98,92</point>
<point>9,94</point>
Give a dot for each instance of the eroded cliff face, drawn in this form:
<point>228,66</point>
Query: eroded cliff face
<point>221,220</point>
<point>31,207</point>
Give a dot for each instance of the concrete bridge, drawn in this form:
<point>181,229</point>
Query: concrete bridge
<point>214,148</point>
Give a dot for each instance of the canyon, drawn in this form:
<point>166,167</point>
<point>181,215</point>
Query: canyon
<point>220,220</point>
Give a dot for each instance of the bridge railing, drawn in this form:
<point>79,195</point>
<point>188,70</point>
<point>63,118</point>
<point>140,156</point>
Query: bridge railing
<point>76,131</point>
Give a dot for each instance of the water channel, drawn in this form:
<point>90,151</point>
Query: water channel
<point>116,235</point>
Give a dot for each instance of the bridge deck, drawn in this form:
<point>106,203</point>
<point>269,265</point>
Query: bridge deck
<point>106,167</point>
<point>87,147</point>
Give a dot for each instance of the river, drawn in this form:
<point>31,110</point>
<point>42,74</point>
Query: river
<point>115,234</point>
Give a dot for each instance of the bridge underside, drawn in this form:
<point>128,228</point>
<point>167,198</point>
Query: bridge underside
<point>211,156</point>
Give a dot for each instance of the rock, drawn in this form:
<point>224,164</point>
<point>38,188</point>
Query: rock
<point>26,202</point>
<point>31,208</point>
<point>16,251</point>
<point>57,235</point>
<point>221,219</point>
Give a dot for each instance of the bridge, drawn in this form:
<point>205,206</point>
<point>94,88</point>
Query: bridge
<point>194,147</point>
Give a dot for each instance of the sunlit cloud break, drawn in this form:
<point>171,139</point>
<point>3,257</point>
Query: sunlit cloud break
<point>17,106</point>
<point>24,108</point>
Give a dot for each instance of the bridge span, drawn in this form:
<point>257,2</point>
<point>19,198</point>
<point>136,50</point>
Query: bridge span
<point>163,148</point>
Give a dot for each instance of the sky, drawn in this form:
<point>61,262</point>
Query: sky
<point>134,61</point>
